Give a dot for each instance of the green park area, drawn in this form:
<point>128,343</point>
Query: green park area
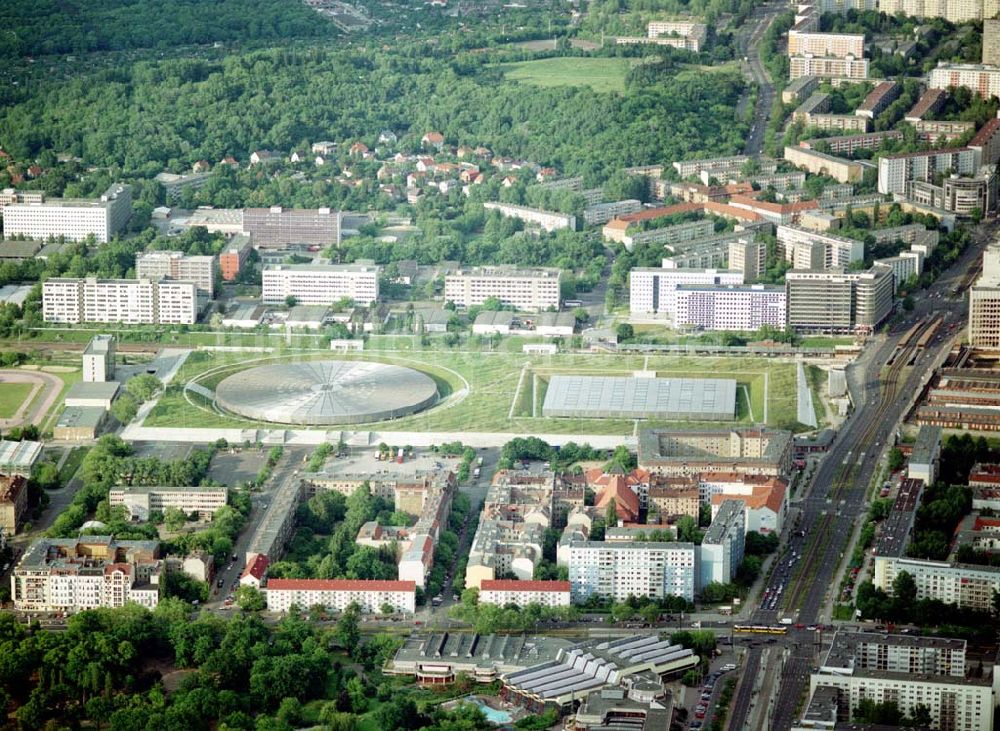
<point>12,396</point>
<point>600,74</point>
<point>495,392</point>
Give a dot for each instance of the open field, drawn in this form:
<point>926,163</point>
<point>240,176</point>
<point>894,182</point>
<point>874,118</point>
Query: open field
<point>12,397</point>
<point>478,389</point>
<point>600,74</point>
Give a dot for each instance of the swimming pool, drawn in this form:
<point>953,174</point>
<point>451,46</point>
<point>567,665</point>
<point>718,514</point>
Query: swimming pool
<point>492,714</point>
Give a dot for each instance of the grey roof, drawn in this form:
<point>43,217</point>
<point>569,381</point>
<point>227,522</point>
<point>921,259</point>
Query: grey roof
<point>326,392</point>
<point>463,650</point>
<point>105,390</point>
<point>490,317</point>
<point>11,249</point>
<point>730,513</point>
<point>710,399</point>
<point>19,454</point>
<point>308,313</point>
<point>927,444</point>
<point>81,416</point>
<point>552,319</point>
<point>99,344</point>
<point>895,530</point>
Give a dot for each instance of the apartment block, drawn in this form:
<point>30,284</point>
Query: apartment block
<point>986,142</point>
<point>934,130</point>
<point>836,45</point>
<point>691,168</point>
<point>954,11</point>
<point>99,359</point>
<point>13,503</point>
<point>523,593</point>
<point>959,195</point>
<point>982,80</point>
<point>141,501</point>
<point>749,257</point>
<point>879,99</point>
<point>848,67</point>
<point>600,213</point>
<point>338,594</point>
<point>691,36</point>
<point>174,185</point>
<point>895,171</point>
<point>687,452</point>
<point>808,249</point>
<point>277,227</point>
<point>842,6</point>
<point>651,290</point>
<point>320,284</point>
<point>670,235</point>
<point>72,218</point>
<point>721,549</point>
<point>907,670</point>
<point>929,103</point>
<point>765,500</point>
<point>729,308</point>
<point>524,289</point>
<point>9,196</point>
<point>799,89</point>
<point>953,583</point>
<point>125,301</point>
<point>620,570</point>
<point>546,220</point>
<point>991,42</point>
<point>904,266</point>
<point>840,122</point>
<point>74,574</point>
<point>819,163</point>
<point>834,300</point>
<point>234,257</point>
<point>178,266</point>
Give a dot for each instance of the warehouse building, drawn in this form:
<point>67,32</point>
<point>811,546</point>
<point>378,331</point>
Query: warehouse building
<point>618,397</point>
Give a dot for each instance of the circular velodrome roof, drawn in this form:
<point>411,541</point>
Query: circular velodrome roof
<point>326,392</point>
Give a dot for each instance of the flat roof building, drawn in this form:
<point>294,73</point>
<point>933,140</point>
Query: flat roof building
<point>175,265</point>
<point>320,284</point>
<point>721,551</point>
<point>747,450</point>
<point>277,227</point>
<point>124,301</point>
<point>523,593</point>
<point>141,501</point>
<point>337,594</point>
<point>19,458</point>
<point>613,397</point>
<point>546,220</point>
<point>835,300</point>
<point>530,290</point>
<point>72,218</point>
<point>233,258</point>
<point>99,359</point>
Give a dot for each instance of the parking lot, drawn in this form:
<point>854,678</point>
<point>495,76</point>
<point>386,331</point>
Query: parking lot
<point>232,468</point>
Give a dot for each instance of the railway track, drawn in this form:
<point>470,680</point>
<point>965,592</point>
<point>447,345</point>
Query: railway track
<point>915,339</point>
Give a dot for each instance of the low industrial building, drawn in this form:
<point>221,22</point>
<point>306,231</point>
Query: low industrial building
<point>18,458</point>
<point>80,423</point>
<point>615,397</point>
<point>92,394</point>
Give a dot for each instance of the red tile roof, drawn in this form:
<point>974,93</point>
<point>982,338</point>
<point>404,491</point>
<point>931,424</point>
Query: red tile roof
<point>774,207</point>
<point>626,501</point>
<point>727,211</point>
<point>339,585</point>
<point>771,496</point>
<point>257,567</point>
<point>513,585</point>
<point>987,131</point>
<point>651,213</point>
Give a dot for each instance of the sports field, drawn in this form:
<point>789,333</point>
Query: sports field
<point>12,396</point>
<point>497,392</point>
<point>600,74</point>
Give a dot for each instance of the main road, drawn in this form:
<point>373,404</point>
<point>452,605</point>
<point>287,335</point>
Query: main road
<point>836,497</point>
<point>749,45</point>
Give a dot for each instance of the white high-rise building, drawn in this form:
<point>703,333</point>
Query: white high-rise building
<point>621,570</point>
<point>524,289</point>
<point>954,11</point>
<point>808,249</point>
<point>836,45</point>
<point>984,302</point>
<point>721,549</point>
<point>338,594</point>
<point>125,301</point>
<point>312,284</point>
<point>72,218</point>
<point>651,290</point>
<point>729,308</point>
<point>178,266</point>
<point>895,171</point>
<point>99,359</point>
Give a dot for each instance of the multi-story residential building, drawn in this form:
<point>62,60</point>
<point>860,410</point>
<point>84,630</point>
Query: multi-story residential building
<point>126,301</point>
<point>842,6</point>
<point>178,266</point>
<point>73,574</point>
<point>523,593</point>
<point>986,142</point>
<point>99,359</point>
<point>849,144</point>
<point>982,80</point>
<point>744,451</point>
<point>984,302</point>
<point>820,163</point>
<point>799,89</point>
<point>320,284</point>
<point>711,252</point>
<point>679,34</point>
<point>600,213</point>
<point>840,122</point>
<point>546,220</point>
<point>523,289</point>
<point>954,11</point>
<point>836,45</point>
<point>929,103</point>
<point>690,168</point>
<point>673,497</point>
<point>935,130</point>
<point>816,103</point>
<point>277,227</point>
<point>13,502</point>
<point>963,196</point>
<point>835,300</point>
<point>991,42</point>
<point>372,596</point>
<point>765,500</point>
<point>72,218</point>
<point>234,257</point>
<point>905,265</point>
<point>141,501</point>
<point>879,99</point>
<point>964,585</point>
<point>677,234</point>
<point>651,290</point>
<point>748,256</point>
<point>807,249</point>
<point>849,67</point>
<point>744,308</point>
<point>906,670</point>
<point>721,549</point>
<point>620,570</point>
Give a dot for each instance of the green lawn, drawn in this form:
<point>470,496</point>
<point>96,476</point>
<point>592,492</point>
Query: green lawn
<point>479,388</point>
<point>600,74</point>
<point>12,395</point>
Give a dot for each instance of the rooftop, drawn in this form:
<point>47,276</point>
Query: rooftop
<point>631,397</point>
<point>895,529</point>
<point>19,454</point>
<point>99,344</point>
<point>81,416</point>
<point>926,447</point>
<point>321,268</point>
<point>509,271</point>
<point>512,585</point>
<point>731,514</point>
<point>105,391</point>
<point>474,650</point>
<point>339,585</point>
